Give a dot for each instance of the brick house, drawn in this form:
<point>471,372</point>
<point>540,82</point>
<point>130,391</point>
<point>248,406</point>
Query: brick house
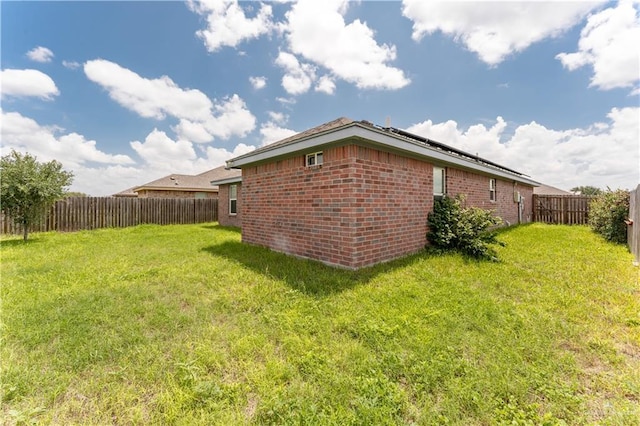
<point>352,194</point>
<point>181,186</point>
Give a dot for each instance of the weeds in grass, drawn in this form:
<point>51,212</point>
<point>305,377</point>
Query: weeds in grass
<point>186,325</point>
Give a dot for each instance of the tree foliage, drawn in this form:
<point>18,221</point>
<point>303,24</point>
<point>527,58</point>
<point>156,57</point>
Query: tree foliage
<point>28,187</point>
<point>607,213</point>
<point>586,190</point>
<point>466,229</point>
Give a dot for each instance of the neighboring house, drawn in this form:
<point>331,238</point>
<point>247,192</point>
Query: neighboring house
<point>352,194</point>
<point>181,186</point>
<point>549,190</point>
<point>127,193</point>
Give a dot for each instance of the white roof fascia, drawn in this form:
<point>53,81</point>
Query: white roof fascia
<point>235,179</point>
<point>376,137</point>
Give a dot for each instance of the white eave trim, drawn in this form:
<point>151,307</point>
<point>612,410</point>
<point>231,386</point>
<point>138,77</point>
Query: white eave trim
<point>173,188</point>
<point>379,138</point>
<point>235,179</point>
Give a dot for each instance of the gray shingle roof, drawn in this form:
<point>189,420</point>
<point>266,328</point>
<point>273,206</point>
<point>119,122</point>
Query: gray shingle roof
<point>179,182</point>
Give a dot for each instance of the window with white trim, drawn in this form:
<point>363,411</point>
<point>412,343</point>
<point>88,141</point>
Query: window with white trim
<point>314,159</point>
<point>439,181</point>
<point>492,190</point>
<point>233,199</point>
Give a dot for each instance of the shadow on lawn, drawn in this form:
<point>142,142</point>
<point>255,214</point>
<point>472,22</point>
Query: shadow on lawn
<point>19,242</point>
<point>305,275</point>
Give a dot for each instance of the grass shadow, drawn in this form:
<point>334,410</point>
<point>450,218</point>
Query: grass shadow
<point>308,276</point>
<point>19,242</point>
<point>218,227</point>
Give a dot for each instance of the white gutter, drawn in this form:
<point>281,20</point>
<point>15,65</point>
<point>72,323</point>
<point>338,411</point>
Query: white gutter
<point>235,179</point>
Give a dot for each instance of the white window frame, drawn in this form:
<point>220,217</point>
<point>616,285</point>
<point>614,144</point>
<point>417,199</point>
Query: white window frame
<point>233,199</point>
<point>314,159</point>
<point>440,192</point>
<point>492,190</point>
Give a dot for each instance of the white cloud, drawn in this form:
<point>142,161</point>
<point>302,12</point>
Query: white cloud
<point>72,150</point>
<point>286,101</point>
<point>98,173</point>
<point>494,30</point>
<point>200,119</point>
<point>271,132</point>
<point>317,31</point>
<point>72,65</point>
<point>278,117</point>
<point>162,155</point>
<point>298,77</point>
<point>609,43</point>
<point>603,154</point>
<point>152,98</point>
<point>258,82</point>
<point>326,85</point>
<point>40,54</point>
<point>158,149</point>
<point>28,82</point>
<point>228,24</point>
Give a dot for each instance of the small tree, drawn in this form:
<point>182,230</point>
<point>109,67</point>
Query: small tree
<point>29,187</point>
<point>607,213</point>
<point>466,229</point>
<point>586,190</point>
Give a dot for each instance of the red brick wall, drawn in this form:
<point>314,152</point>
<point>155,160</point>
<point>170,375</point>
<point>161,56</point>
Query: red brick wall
<point>224,217</point>
<point>173,194</point>
<point>476,189</point>
<point>361,207</point>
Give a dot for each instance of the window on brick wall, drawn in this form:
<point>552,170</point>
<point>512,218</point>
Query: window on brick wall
<point>439,181</point>
<point>233,199</point>
<point>492,189</point>
<point>314,159</point>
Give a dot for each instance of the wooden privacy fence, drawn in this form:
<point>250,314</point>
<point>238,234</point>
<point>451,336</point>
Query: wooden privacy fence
<point>80,213</point>
<point>561,209</point>
<point>633,224</point>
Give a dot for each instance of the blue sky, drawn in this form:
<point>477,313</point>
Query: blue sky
<point>123,93</point>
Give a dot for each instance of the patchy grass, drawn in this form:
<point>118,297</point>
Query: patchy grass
<point>186,325</point>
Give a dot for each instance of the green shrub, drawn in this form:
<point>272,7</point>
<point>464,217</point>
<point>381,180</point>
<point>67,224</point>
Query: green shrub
<point>452,226</point>
<point>607,213</point>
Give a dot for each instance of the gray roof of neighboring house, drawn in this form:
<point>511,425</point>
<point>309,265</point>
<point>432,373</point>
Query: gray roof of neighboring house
<point>179,182</point>
<point>126,193</point>
<point>550,190</point>
<point>343,129</point>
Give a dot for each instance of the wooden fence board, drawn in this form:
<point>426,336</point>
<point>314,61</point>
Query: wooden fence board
<point>633,226</point>
<point>561,209</point>
<point>80,213</point>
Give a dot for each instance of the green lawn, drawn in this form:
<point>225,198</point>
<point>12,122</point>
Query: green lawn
<point>185,325</point>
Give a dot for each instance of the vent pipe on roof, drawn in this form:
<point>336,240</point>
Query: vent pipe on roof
<point>387,122</point>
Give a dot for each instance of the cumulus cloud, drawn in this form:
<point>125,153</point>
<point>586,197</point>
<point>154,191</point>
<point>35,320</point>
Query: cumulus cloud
<point>200,119</point>
<point>298,77</point>
<point>258,82</point>
<point>163,155</point>
<point>317,31</point>
<point>40,54</point>
<point>495,30</point>
<point>72,65</point>
<point>603,154</point>
<point>47,143</point>
<point>272,132</point>
<point>325,85</point>
<point>23,83</point>
<point>278,117</point>
<point>228,24</point>
<point>609,43</point>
